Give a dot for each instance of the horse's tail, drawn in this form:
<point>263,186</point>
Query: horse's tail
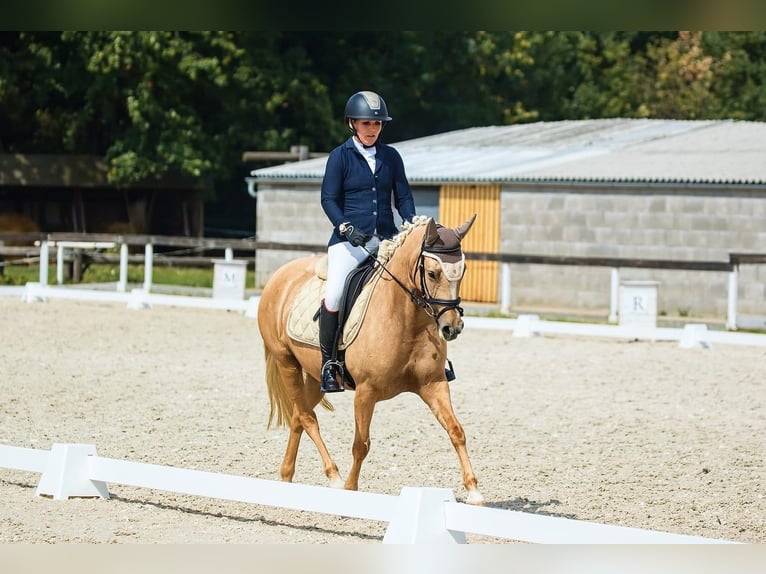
<point>280,403</point>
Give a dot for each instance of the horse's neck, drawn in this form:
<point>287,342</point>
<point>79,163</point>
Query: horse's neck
<point>403,262</point>
<point>394,298</point>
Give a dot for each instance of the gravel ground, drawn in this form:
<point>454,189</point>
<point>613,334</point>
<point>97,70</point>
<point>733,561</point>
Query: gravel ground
<point>638,434</point>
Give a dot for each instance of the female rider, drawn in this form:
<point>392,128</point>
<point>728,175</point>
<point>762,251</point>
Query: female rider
<point>362,179</point>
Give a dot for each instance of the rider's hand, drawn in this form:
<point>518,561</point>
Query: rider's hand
<point>354,236</point>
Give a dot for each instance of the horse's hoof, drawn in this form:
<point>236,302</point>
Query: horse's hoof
<point>337,483</point>
<point>475,498</point>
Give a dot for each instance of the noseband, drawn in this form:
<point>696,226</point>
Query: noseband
<point>425,300</point>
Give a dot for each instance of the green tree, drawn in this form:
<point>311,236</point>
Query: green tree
<point>680,75</point>
<point>739,83</point>
<point>157,103</point>
<point>608,69</point>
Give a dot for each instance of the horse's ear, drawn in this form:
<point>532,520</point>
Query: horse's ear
<point>462,230</point>
<point>432,235</point>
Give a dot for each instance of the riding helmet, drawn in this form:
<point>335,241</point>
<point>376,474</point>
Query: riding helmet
<point>366,106</point>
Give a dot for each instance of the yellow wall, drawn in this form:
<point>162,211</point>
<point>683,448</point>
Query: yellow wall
<point>456,204</point>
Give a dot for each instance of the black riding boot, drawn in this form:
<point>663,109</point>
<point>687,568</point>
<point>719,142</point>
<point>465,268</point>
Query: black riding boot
<point>328,327</point>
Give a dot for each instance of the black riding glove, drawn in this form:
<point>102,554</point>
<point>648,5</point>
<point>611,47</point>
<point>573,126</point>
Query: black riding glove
<point>354,236</point>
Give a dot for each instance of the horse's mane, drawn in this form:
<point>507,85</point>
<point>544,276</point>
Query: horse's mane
<point>389,246</point>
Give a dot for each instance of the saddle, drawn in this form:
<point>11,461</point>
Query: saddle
<point>302,320</point>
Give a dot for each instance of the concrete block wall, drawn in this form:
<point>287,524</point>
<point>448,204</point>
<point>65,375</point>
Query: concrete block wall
<point>287,214</point>
<point>652,223</point>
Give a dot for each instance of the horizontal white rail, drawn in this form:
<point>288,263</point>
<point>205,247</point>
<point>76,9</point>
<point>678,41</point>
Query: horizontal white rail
<point>417,515</point>
<point>28,459</point>
<point>137,298</point>
<point>542,327</point>
<point>542,529</point>
<point>294,496</point>
<point>140,298</point>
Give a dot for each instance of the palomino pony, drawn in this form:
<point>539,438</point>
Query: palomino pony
<point>401,345</point>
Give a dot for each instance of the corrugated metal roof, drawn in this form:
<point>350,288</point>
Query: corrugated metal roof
<point>608,150</point>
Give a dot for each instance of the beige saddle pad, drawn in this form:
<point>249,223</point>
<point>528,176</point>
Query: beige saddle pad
<point>300,322</point>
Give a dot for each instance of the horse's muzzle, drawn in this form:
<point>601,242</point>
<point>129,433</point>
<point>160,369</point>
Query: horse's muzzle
<point>450,332</point>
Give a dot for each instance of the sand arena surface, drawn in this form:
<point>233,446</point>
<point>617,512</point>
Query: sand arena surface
<point>638,434</point>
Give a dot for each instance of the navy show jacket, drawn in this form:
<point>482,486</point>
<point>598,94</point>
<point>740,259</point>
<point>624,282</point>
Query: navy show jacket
<point>352,193</point>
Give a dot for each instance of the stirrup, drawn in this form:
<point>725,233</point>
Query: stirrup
<point>334,363</point>
<point>449,371</point>
<point>335,368</point>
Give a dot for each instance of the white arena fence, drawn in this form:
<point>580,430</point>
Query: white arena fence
<point>689,336</point>
<point>79,242</point>
<point>415,516</point>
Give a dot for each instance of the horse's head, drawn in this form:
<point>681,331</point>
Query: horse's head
<point>441,268</point>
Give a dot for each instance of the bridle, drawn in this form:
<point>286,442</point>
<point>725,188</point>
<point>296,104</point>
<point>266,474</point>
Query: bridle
<point>426,300</point>
<point>423,298</point>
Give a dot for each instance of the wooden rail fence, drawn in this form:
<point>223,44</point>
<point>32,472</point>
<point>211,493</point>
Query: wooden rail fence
<point>22,244</point>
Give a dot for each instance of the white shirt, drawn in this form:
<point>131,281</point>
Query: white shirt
<point>368,153</point>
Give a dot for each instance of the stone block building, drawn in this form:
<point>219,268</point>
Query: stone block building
<point>620,188</point>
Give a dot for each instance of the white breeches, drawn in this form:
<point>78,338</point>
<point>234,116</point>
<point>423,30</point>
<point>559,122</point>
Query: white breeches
<point>342,258</point>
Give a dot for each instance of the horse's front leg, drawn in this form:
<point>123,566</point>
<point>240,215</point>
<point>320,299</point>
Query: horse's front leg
<point>364,405</point>
<point>437,397</point>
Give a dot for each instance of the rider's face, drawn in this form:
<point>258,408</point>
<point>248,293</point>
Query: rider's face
<point>368,130</point>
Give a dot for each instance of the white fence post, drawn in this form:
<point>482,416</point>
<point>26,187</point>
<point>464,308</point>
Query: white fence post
<point>122,286</point>
<point>731,307</point>
<point>526,326</point>
<point>60,264</point>
<point>695,335</point>
<point>419,518</point>
<point>67,474</point>
<point>44,256</point>
<point>505,289</point>
<point>33,293</point>
<point>148,266</point>
<point>614,294</point>
<point>139,299</point>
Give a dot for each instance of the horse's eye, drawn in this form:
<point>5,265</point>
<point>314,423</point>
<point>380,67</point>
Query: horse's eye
<point>431,275</point>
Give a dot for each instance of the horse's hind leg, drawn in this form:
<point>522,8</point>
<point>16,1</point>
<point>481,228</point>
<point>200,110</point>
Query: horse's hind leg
<point>305,398</point>
<point>437,397</point>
